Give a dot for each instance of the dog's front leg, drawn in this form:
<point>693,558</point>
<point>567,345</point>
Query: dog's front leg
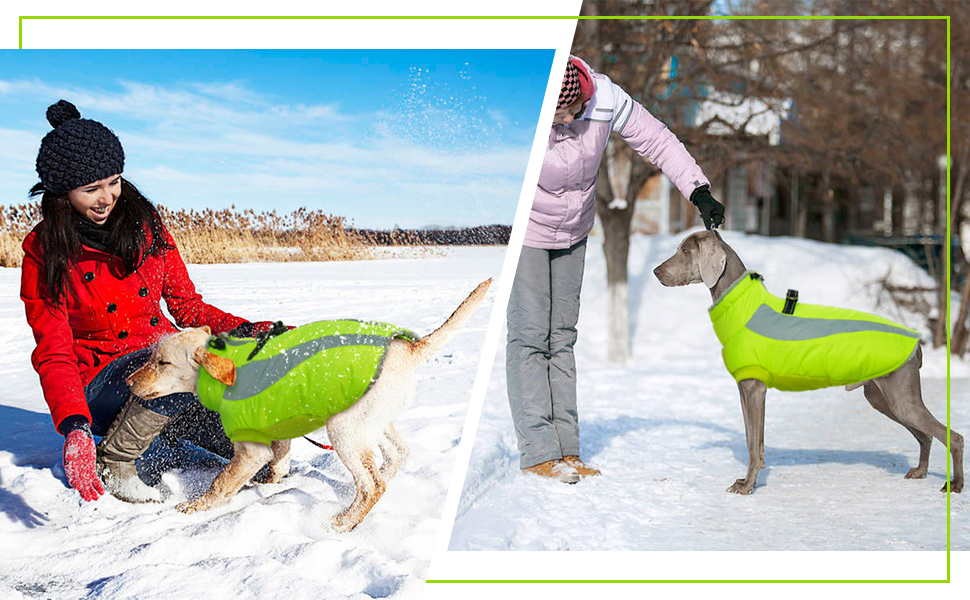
<point>753,410</point>
<point>279,466</point>
<point>247,458</point>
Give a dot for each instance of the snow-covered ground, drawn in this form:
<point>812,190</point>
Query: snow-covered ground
<point>667,431</point>
<point>270,541</point>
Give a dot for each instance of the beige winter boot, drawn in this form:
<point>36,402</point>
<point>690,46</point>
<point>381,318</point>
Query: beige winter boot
<point>582,468</point>
<point>554,469</point>
<point>128,437</point>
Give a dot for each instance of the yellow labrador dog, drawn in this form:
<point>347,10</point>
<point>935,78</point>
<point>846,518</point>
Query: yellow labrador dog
<point>356,433</point>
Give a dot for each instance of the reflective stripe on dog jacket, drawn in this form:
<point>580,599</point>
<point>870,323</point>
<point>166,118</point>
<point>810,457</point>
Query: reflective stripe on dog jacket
<point>816,347</point>
<point>299,379</point>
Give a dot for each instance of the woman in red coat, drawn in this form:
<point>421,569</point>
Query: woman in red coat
<point>94,272</point>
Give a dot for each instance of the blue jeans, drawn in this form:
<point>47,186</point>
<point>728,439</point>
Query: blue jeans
<point>107,393</point>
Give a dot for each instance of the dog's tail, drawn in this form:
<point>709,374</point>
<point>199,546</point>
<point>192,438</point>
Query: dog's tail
<point>427,346</point>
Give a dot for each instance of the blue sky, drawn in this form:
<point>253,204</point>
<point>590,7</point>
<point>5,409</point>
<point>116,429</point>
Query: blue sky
<point>397,137</point>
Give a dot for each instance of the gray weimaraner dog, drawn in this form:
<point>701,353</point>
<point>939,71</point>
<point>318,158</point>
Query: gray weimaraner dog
<point>705,258</point>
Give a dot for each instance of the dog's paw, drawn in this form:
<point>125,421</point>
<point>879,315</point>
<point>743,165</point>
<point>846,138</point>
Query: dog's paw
<point>916,473</point>
<point>194,506</point>
<point>955,486</point>
<point>343,522</point>
<point>275,478</point>
<point>267,477</point>
<point>741,486</point>
<point>389,470</point>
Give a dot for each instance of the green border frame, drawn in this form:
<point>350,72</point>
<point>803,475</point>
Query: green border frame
<point>651,18</point>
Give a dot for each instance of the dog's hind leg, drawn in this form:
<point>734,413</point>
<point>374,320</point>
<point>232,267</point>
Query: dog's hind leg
<point>369,488</point>
<point>753,409</point>
<point>901,389</point>
<point>247,458</point>
<point>395,452</point>
<point>358,457</point>
<point>878,401</point>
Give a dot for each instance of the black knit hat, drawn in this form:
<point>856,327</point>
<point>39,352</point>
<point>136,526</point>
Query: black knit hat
<point>77,152</point>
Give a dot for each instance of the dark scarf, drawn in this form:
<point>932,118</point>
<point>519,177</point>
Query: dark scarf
<point>91,234</point>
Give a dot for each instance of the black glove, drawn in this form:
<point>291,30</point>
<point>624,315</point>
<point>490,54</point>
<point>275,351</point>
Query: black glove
<point>711,210</point>
<point>69,424</point>
<point>249,330</point>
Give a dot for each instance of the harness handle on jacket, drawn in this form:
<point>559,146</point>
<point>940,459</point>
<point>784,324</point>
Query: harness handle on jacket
<point>791,299</point>
<point>263,337</point>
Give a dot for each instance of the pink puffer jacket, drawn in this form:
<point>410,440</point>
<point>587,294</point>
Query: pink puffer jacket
<point>564,204</point>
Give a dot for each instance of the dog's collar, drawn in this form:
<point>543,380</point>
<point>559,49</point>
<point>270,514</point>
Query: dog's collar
<point>734,308</point>
<point>746,276</point>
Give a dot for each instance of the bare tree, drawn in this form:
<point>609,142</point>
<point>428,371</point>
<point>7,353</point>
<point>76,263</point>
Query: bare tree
<point>869,112</point>
<point>635,54</point>
<point>861,103</point>
<point>959,152</point>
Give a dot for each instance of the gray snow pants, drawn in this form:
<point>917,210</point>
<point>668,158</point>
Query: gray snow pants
<point>540,368</point>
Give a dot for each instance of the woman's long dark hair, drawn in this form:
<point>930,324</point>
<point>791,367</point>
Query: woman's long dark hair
<point>132,215</point>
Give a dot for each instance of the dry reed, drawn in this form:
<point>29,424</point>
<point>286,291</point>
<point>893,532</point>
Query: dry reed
<point>229,235</point>
<point>15,223</point>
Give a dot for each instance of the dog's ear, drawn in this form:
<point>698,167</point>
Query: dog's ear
<point>206,329</point>
<point>711,259</point>
<point>221,369</point>
<point>135,378</point>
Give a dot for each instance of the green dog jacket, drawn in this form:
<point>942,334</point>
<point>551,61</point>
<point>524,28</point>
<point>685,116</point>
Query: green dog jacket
<point>298,379</point>
<point>816,347</point>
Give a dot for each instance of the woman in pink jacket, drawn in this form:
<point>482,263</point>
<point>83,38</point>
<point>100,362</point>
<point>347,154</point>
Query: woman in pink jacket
<point>544,306</point>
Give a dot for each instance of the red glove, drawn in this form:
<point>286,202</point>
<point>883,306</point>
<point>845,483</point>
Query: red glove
<point>79,457</point>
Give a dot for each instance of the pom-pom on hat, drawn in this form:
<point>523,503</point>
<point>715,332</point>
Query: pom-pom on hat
<point>77,151</point>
